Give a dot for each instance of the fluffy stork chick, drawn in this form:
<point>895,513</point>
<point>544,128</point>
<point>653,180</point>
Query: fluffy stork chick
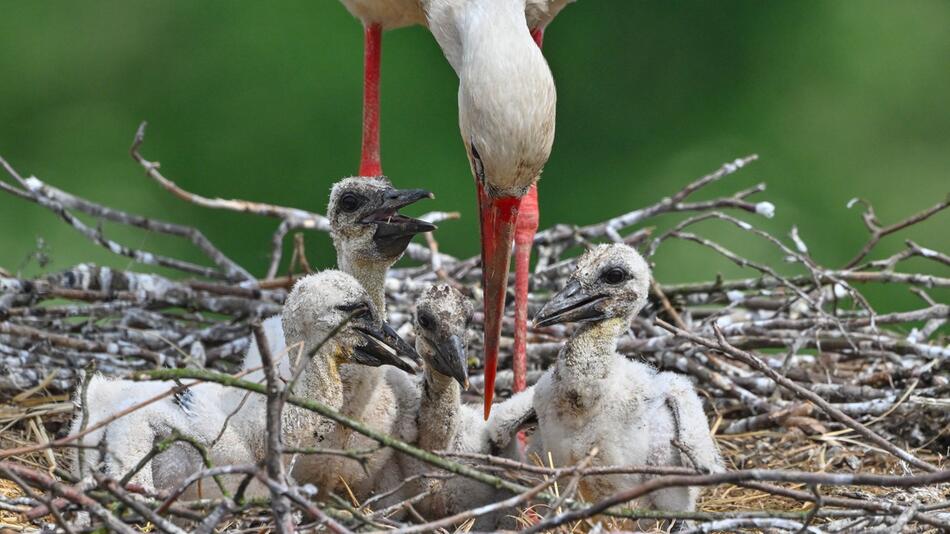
<point>437,415</point>
<point>440,324</point>
<point>506,105</point>
<point>595,397</point>
<point>369,235</point>
<point>315,307</point>
<point>441,321</point>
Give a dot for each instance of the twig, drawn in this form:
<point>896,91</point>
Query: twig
<point>274,455</point>
<point>96,235</point>
<point>75,496</point>
<point>878,232</point>
<point>830,479</point>
<point>754,361</point>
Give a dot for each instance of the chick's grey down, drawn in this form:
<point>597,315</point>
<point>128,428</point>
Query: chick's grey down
<point>229,422</point>
<point>432,411</point>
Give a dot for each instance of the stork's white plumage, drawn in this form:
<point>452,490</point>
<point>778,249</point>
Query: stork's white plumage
<point>595,397</point>
<point>506,116</point>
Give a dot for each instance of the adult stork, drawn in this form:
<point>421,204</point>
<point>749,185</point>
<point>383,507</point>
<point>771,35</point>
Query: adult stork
<point>516,199</point>
<point>380,15</point>
<point>506,117</point>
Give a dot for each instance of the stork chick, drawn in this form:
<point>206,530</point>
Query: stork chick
<point>595,397</point>
<point>437,415</point>
<point>226,421</point>
<point>369,235</point>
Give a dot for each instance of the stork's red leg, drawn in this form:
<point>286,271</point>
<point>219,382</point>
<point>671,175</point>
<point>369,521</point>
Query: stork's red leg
<point>526,227</point>
<point>370,164</point>
<point>538,35</point>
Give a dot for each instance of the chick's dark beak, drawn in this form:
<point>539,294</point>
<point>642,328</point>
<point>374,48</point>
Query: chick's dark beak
<point>571,304</point>
<point>382,346</point>
<point>451,360</point>
<point>394,230</point>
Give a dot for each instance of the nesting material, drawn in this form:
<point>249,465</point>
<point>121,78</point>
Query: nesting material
<point>808,386</point>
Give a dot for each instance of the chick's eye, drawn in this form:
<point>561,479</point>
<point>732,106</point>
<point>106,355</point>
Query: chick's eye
<point>359,310</point>
<point>350,202</point>
<point>425,321</point>
<point>614,276</point>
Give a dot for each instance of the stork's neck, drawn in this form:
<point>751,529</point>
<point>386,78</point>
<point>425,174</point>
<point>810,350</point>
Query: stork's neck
<point>592,349</point>
<point>371,274</point>
<point>320,382</point>
<point>464,29</point>
<point>320,379</point>
<point>439,413</point>
<point>361,381</point>
<point>506,98</point>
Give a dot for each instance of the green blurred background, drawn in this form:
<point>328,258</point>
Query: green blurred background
<point>261,100</point>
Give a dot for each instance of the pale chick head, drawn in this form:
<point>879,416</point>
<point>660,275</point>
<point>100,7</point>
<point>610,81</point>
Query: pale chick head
<point>441,322</point>
<point>332,301</point>
<point>609,281</point>
<point>321,302</point>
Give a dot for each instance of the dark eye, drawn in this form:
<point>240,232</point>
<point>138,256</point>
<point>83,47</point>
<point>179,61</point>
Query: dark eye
<point>361,310</point>
<point>614,276</point>
<point>350,202</point>
<point>426,321</point>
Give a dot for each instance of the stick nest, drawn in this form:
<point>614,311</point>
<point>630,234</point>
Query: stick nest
<point>801,375</point>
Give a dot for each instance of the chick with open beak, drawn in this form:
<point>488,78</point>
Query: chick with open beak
<point>369,235</point>
<point>364,215</point>
<point>382,345</point>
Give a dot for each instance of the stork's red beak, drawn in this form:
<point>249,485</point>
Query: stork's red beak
<point>497,218</point>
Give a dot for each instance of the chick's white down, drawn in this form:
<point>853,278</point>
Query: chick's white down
<point>594,397</point>
<point>372,395</point>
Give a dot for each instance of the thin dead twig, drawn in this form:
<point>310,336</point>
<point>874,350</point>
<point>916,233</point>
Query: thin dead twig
<point>723,346</point>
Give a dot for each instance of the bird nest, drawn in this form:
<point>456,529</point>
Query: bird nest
<point>832,416</point>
